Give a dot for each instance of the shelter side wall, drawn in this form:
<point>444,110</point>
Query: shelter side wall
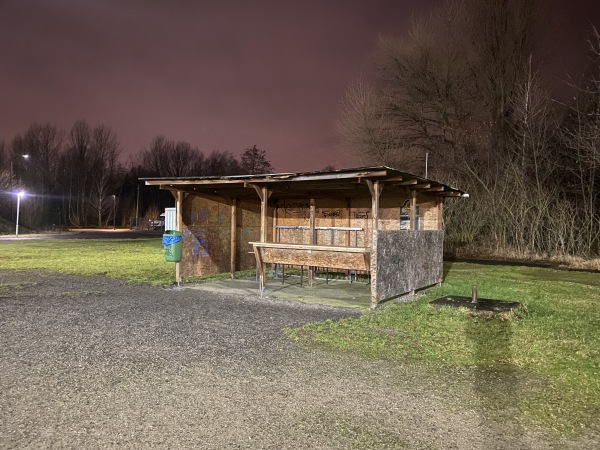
<point>355,213</point>
<point>206,237</point>
<point>428,211</point>
<point>328,213</point>
<point>408,260</point>
<point>206,246</point>
<point>389,212</point>
<point>292,213</point>
<point>361,216</point>
<point>248,230</point>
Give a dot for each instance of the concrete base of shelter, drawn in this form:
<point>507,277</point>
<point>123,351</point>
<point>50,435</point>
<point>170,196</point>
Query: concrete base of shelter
<point>334,292</point>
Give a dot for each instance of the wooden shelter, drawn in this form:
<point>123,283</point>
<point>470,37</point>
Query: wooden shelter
<point>373,219</point>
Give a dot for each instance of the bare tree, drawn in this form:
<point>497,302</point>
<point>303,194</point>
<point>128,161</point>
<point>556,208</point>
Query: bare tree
<point>581,140</point>
<point>76,169</point>
<point>254,161</point>
<point>424,100</point>
<point>165,158</point>
<point>105,152</point>
<point>464,87</point>
<point>502,35</point>
<point>42,144</point>
<point>221,163</point>
<point>370,134</point>
<point>4,156</point>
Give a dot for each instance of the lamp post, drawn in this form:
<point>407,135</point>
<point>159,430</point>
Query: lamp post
<point>114,210</point>
<point>19,195</point>
<point>12,180</point>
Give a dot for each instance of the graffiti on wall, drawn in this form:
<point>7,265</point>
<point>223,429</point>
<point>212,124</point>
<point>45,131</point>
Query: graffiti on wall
<point>296,209</point>
<point>332,213</point>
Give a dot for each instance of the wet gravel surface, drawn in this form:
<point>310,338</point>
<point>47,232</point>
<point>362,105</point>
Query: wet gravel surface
<point>100,363</point>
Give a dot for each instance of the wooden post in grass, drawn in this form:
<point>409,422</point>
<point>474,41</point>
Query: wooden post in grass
<point>474,298</point>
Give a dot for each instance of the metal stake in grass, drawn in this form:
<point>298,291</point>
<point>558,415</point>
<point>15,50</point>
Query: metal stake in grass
<point>474,295</point>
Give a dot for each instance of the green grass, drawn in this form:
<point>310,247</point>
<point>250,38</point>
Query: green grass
<point>137,260</point>
<point>552,344</point>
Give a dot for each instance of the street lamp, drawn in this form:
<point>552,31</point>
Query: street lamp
<point>12,181</point>
<point>114,210</point>
<point>19,195</point>
<point>11,166</point>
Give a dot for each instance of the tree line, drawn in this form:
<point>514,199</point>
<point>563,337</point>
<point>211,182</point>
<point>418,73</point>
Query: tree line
<point>77,178</point>
<point>466,90</point>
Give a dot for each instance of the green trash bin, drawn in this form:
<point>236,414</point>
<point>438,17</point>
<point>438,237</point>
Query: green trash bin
<point>171,241</point>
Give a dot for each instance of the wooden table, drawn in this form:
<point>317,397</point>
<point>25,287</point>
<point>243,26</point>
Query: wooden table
<point>337,257</point>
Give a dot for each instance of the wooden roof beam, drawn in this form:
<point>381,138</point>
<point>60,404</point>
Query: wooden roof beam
<point>434,189</point>
<point>409,182</point>
<point>421,186</point>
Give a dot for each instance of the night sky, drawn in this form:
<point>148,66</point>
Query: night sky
<point>222,75</point>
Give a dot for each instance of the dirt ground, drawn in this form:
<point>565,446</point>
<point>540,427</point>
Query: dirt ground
<point>101,363</point>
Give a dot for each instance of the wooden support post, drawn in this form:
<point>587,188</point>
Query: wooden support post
<point>263,194</point>
<point>313,240</point>
<point>260,265</point>
<point>440,221</point>
<point>375,187</point>
<point>179,226</point>
<point>233,233</point>
<point>275,220</point>
<point>413,210</point>
<point>349,205</point>
<point>274,238</point>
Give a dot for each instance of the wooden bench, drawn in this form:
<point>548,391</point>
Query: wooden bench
<point>338,257</point>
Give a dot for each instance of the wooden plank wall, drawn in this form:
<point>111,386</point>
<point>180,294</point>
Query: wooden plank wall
<point>207,235</point>
<point>328,213</point>
<point>408,260</point>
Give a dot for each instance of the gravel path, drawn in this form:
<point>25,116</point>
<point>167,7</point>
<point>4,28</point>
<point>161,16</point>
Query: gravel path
<point>101,363</point>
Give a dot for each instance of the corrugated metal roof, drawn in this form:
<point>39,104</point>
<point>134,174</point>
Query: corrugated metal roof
<point>311,181</point>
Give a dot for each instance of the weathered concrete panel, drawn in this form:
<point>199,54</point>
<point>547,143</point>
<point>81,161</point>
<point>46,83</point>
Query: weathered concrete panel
<point>408,260</point>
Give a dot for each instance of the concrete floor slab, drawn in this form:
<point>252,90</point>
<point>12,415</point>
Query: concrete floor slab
<point>332,292</point>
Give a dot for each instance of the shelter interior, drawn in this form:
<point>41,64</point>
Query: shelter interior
<point>377,220</point>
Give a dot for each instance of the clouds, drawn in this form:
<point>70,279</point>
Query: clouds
<point>220,74</point>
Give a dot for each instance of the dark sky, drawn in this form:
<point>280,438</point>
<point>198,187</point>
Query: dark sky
<point>222,75</point>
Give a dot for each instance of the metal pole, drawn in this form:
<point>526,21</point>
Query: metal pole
<point>18,207</point>
<point>114,210</point>
<point>137,206</point>
<point>426,163</point>
<point>12,184</point>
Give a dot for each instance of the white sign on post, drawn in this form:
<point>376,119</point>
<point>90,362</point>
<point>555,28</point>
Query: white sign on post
<point>171,219</point>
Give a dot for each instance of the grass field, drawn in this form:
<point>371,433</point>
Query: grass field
<point>547,353</point>
<point>549,349</point>
<point>138,260</point>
